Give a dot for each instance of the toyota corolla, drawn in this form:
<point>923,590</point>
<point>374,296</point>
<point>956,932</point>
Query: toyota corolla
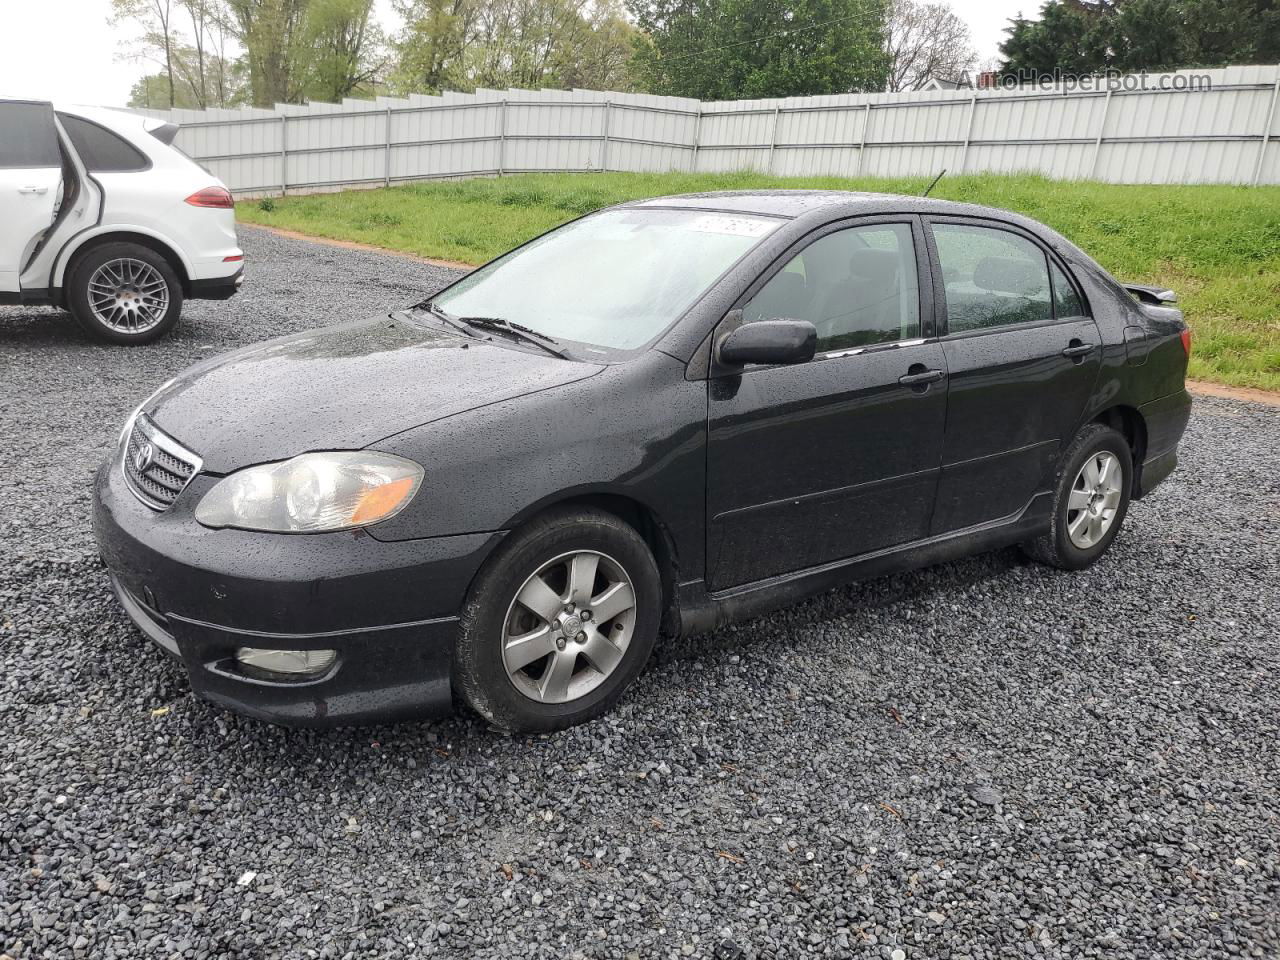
<point>648,422</point>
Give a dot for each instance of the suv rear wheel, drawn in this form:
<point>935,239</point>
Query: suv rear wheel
<point>124,293</point>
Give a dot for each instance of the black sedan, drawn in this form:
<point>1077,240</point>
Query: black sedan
<point>650,421</point>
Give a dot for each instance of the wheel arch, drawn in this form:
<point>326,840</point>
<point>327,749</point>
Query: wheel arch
<point>642,518</point>
<point>1131,425</point>
<point>116,234</point>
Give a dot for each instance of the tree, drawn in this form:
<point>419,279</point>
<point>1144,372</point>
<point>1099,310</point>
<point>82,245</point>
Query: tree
<point>1075,36</point>
<point>269,31</point>
<point>151,92</point>
<point>600,58</point>
<point>224,83</point>
<point>1069,37</point>
<point>429,51</point>
<point>464,44</point>
<point>727,49</point>
<point>1232,31</point>
<point>155,17</point>
<point>340,47</point>
<point>926,41</point>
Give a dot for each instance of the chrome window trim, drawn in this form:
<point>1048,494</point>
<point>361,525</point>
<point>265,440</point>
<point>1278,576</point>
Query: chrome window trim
<point>855,351</point>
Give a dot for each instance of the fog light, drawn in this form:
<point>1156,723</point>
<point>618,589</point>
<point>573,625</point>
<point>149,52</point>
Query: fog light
<point>293,663</point>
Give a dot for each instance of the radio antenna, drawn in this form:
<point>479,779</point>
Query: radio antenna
<point>934,183</point>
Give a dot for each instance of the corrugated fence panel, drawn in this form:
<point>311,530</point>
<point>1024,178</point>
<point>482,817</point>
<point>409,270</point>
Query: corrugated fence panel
<point>917,160</point>
<point>930,122</point>
<point>1044,117</point>
<point>1136,133</point>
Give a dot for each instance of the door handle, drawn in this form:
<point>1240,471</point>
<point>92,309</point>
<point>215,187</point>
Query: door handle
<point>1077,349</point>
<point>922,378</point>
<point>33,189</point>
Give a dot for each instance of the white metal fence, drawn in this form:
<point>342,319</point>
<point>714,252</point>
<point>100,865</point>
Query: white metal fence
<point>1227,133</point>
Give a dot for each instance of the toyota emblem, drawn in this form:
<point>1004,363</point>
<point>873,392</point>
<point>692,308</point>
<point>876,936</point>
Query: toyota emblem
<point>143,457</point>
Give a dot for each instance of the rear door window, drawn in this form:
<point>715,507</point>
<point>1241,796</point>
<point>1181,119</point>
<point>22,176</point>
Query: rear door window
<point>28,138</point>
<point>102,151</point>
<point>993,278</point>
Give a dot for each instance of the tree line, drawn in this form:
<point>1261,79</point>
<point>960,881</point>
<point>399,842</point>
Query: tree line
<point>226,53</point>
<point>1083,37</point>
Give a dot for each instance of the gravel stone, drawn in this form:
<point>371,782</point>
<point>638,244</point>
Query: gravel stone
<point>793,786</point>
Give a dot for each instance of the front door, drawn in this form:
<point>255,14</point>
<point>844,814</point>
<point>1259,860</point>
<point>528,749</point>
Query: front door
<point>1022,357</point>
<point>825,460</point>
<point>30,184</point>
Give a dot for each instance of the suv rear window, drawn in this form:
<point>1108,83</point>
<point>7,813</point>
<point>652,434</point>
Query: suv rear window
<point>27,136</point>
<point>101,150</point>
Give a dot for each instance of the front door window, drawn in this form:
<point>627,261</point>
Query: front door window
<point>858,287</point>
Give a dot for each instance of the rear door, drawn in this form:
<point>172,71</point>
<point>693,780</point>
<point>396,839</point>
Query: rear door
<point>1022,357</point>
<point>822,461</point>
<point>30,184</point>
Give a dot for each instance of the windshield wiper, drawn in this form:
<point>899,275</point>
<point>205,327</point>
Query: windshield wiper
<point>456,322</point>
<point>518,332</point>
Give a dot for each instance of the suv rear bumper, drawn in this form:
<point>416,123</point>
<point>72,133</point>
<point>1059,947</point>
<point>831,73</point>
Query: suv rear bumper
<point>217,288</point>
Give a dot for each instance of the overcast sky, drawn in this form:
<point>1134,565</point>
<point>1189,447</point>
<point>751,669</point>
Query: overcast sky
<point>66,50</point>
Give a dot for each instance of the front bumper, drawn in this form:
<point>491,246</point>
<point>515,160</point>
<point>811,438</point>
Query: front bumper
<point>388,609</point>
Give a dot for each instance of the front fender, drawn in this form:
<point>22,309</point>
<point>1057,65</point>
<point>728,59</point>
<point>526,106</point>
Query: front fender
<point>637,430</point>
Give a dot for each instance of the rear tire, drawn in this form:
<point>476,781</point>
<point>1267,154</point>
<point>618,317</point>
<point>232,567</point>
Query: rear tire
<point>124,293</point>
<point>1090,500</point>
<point>559,622</point>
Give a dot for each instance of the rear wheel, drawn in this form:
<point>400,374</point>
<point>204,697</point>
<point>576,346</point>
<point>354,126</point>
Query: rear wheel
<point>124,293</point>
<point>1090,500</point>
<point>559,622</point>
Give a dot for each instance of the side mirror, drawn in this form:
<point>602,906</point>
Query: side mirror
<point>769,341</point>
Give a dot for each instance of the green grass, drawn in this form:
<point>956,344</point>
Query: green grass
<point>1218,247</point>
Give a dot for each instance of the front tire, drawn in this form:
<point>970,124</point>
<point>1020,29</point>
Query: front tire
<point>124,293</point>
<point>559,622</point>
<point>1090,500</point>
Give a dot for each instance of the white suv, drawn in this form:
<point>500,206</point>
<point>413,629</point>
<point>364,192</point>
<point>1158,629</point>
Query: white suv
<point>102,215</point>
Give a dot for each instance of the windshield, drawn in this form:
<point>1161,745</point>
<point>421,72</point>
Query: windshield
<point>616,279</point>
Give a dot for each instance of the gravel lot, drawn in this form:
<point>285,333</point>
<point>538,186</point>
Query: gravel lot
<point>984,759</point>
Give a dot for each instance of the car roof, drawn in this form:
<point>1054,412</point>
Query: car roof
<point>797,203</point>
<point>115,118</point>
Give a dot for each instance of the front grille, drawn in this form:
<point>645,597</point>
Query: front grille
<point>156,467</point>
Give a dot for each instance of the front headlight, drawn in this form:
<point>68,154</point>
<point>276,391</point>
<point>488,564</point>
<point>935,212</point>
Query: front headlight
<point>312,493</point>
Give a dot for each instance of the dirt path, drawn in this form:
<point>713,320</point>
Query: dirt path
<point>1247,394</point>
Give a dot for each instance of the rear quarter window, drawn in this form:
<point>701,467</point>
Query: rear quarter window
<point>100,150</point>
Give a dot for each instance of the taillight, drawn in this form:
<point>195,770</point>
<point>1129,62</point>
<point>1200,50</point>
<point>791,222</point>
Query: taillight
<point>219,197</point>
<point>1186,341</point>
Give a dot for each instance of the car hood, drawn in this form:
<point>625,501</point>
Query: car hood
<point>343,388</point>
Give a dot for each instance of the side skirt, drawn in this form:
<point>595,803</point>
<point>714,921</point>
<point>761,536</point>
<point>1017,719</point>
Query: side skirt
<point>701,610</point>
<point>35,298</point>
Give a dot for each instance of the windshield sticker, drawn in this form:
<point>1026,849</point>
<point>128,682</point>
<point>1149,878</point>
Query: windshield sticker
<point>733,226</point>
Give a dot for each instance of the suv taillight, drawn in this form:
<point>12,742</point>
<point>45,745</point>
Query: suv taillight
<point>1186,341</point>
<point>212,197</point>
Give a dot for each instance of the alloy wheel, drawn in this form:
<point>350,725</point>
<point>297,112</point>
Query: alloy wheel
<point>1094,499</point>
<point>128,295</point>
<point>568,627</point>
